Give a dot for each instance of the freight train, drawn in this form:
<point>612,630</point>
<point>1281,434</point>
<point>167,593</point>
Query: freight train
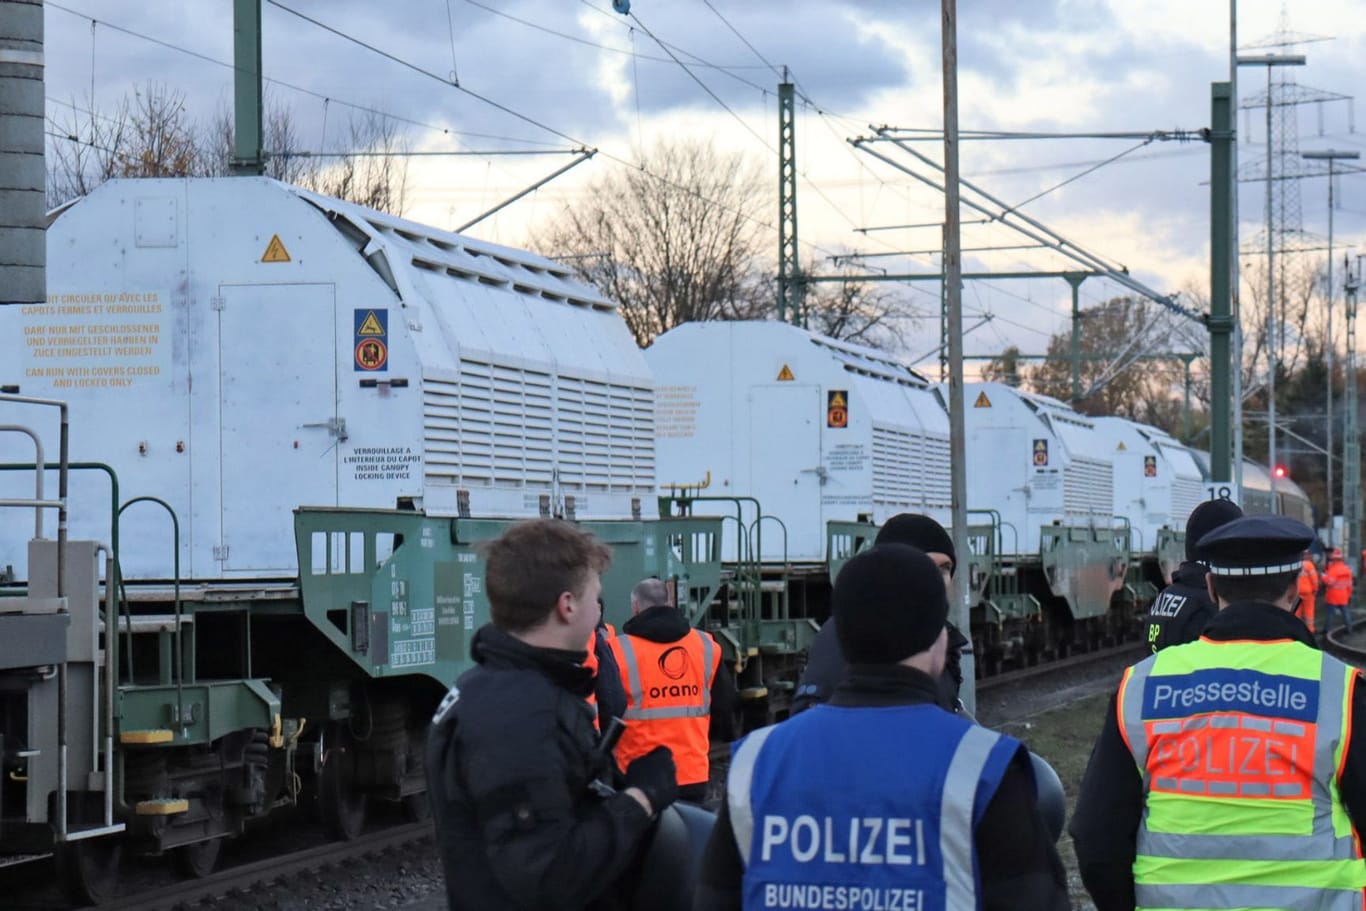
<point>279,424</point>
<point>1074,522</point>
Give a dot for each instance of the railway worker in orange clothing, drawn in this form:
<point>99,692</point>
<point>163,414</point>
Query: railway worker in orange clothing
<point>1337,589</point>
<point>1230,772</point>
<point>1308,587</point>
<point>514,767</point>
<point>608,698</point>
<point>679,693</point>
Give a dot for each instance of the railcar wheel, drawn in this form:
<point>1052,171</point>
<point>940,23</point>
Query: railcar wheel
<point>89,869</point>
<point>341,807</point>
<point>417,807</point>
<point>198,860</point>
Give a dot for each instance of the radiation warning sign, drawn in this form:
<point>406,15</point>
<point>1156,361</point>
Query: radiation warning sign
<point>837,408</point>
<point>1040,453</point>
<point>372,340</point>
<point>982,400</point>
<point>1150,466</point>
<point>785,375</point>
<point>275,251</point>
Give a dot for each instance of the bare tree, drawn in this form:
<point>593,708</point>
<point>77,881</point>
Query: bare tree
<point>673,241</point>
<point>162,140</point>
<point>280,144</point>
<point>89,151</point>
<point>1123,370</point>
<point>376,174</point>
<point>151,134</point>
<point>1004,368</point>
<point>858,311</point>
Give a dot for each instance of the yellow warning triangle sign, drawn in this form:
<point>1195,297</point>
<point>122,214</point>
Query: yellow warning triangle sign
<point>982,401</point>
<point>1121,447</point>
<point>785,375</point>
<point>370,325</point>
<point>837,400</point>
<point>275,251</point>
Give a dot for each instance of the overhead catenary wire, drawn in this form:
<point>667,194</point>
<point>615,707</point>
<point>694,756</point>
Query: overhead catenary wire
<point>669,49</point>
<point>365,109</point>
<point>636,165</point>
<point>1078,176</point>
<point>743,39</point>
<point>451,82</point>
<point>1031,228</point>
<point>450,28</point>
<point>634,54</point>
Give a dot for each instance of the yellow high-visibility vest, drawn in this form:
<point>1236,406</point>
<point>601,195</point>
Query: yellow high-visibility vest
<point>1240,745</point>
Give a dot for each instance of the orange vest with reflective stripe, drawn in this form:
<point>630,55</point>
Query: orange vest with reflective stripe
<point>591,662</point>
<point>668,699</point>
<point>1337,584</point>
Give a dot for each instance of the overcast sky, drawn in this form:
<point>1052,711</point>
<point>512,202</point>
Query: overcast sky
<point>576,68</point>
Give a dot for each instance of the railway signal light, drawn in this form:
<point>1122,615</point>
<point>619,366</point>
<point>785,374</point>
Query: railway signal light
<point>1280,472</point>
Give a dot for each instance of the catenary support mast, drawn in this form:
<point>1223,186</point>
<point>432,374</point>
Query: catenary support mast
<point>23,175</point>
<point>953,290</point>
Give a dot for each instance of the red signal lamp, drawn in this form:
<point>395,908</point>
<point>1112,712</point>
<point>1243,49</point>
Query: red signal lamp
<point>1280,472</point>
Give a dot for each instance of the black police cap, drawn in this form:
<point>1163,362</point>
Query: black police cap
<point>1256,546</point>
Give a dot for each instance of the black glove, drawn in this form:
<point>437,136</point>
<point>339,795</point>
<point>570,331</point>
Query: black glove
<point>655,775</point>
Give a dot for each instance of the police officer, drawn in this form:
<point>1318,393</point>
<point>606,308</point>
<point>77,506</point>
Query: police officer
<point>679,693</point>
<point>511,758</point>
<point>880,798</point>
<point>825,664</point>
<point>1183,608</point>
<point>1228,772</point>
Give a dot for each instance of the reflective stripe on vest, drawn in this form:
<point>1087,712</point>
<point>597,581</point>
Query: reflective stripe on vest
<point>955,818</point>
<point>591,662</point>
<point>737,790</point>
<point>1239,745</point>
<point>635,686</point>
<point>672,705</point>
<point>861,882</point>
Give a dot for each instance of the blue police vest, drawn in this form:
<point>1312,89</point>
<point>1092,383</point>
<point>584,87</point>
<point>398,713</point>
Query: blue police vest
<point>864,809</point>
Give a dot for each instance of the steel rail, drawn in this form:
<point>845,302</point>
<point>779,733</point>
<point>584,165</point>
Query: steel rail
<point>260,874</point>
<point>1045,668</point>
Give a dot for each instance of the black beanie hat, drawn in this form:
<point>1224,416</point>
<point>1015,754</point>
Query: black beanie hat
<point>918,531</point>
<point>889,604</point>
<point>1205,518</point>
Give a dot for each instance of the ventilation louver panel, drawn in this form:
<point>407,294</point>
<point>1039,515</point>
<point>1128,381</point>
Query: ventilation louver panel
<point>910,470</point>
<point>1088,490</point>
<point>506,426</point>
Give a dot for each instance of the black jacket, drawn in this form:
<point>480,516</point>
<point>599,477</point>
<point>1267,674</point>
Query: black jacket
<point>1180,612</point>
<point>1019,865</point>
<point>665,624</point>
<point>1110,804</point>
<point>825,667</point>
<point>607,687</point>
<point>509,761</point>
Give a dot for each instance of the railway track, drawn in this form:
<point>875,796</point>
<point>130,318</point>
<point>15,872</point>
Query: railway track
<point>1350,649</point>
<point>1128,650</point>
<point>259,875</point>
